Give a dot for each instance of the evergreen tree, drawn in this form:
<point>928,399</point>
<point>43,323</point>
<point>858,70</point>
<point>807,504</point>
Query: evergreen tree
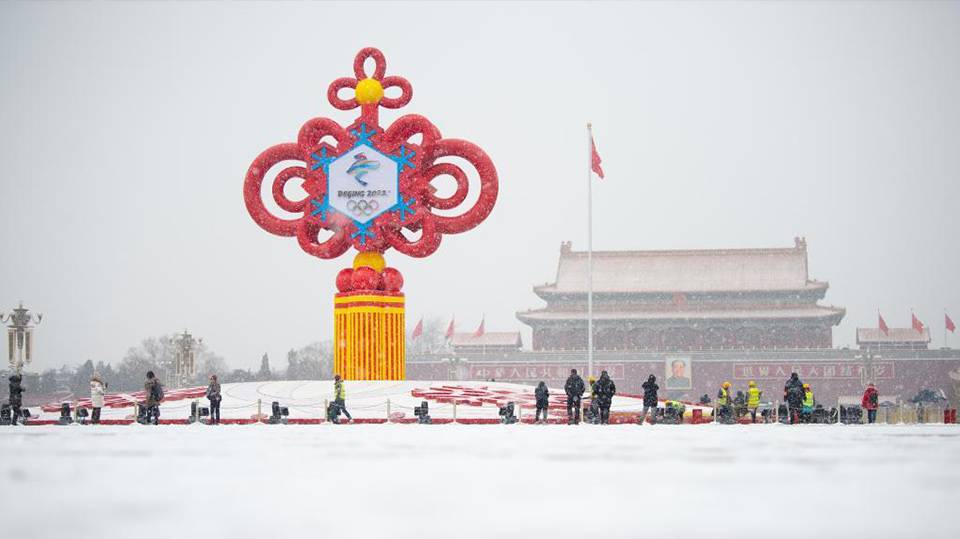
<point>264,374</point>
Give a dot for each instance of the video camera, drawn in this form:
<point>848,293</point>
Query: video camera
<point>506,414</point>
<point>423,413</point>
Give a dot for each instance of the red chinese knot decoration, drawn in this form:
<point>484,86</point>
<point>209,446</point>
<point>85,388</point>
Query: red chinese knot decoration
<point>365,184</point>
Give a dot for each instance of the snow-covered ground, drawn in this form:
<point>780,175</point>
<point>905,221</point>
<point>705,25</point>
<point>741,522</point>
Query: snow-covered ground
<point>397,481</point>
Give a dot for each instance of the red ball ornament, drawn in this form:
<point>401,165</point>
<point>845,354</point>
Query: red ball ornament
<point>345,280</point>
<point>366,278</point>
<point>392,279</point>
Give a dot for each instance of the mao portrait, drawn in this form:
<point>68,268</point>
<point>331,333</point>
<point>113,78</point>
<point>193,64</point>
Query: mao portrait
<point>678,372</point>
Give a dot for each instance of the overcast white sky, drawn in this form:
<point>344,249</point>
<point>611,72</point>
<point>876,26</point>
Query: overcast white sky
<point>126,131</point>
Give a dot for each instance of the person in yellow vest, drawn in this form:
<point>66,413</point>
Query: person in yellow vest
<point>723,403</point>
<point>339,399</point>
<point>753,399</point>
<point>806,411</point>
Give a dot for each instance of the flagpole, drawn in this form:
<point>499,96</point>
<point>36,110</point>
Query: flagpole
<point>589,250</point>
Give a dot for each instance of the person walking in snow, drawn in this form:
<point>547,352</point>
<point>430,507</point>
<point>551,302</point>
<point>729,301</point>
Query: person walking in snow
<point>154,394</point>
<point>214,396</point>
<point>543,400</point>
<point>870,402</point>
<point>97,389</point>
<point>339,398</point>
<point>16,397</point>
<point>605,390</point>
<point>650,388</point>
<point>574,389</point>
<point>753,399</point>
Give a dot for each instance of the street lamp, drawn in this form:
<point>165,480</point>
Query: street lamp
<point>20,336</point>
<point>185,365</point>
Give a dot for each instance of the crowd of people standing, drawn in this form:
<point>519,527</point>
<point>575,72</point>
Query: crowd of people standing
<point>799,400</point>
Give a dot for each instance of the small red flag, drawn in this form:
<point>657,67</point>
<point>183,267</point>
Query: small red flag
<point>418,330</point>
<point>949,323</point>
<point>917,324</point>
<point>480,330</point>
<point>450,328</point>
<point>883,325</point>
<point>595,157</point>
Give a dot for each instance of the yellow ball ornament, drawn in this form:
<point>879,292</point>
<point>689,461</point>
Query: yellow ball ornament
<point>371,259</point>
<point>369,92</point>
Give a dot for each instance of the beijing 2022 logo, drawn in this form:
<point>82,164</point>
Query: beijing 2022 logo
<point>363,183</point>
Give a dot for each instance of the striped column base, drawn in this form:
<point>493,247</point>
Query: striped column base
<point>369,335</point>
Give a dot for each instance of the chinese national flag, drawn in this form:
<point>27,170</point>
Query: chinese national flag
<point>917,324</point>
<point>418,330</point>
<point>480,330</point>
<point>450,328</point>
<point>949,323</point>
<point>595,158</point>
<point>883,325</point>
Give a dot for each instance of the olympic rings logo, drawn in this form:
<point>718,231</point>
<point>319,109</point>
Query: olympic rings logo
<point>363,207</point>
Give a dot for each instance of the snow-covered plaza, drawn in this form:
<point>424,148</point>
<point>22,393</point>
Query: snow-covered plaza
<point>480,481</point>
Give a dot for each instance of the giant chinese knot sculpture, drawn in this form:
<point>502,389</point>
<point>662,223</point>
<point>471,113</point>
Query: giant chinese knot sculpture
<point>370,188</point>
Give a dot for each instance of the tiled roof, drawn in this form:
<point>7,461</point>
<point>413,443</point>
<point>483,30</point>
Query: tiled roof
<point>490,338</point>
<point>704,270</point>
<point>813,311</point>
<point>894,335</point>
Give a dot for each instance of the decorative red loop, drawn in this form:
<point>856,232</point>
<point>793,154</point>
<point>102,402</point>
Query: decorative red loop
<point>406,92</point>
<point>321,146</point>
<point>333,93</point>
<point>381,63</point>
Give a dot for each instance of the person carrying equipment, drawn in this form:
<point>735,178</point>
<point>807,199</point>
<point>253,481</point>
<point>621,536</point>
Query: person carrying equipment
<point>605,389</point>
<point>724,404</point>
<point>339,399</point>
<point>793,393</point>
<point>574,389</point>
<point>650,388</point>
<point>806,410</point>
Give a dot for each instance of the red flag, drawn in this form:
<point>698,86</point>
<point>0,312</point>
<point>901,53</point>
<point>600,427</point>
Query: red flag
<point>595,157</point>
<point>883,325</point>
<point>917,324</point>
<point>450,328</point>
<point>949,323</point>
<point>480,330</point>
<point>418,330</point>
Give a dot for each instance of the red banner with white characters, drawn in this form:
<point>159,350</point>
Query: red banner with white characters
<point>878,370</point>
<point>534,372</point>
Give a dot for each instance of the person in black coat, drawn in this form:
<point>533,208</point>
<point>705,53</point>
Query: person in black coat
<point>793,394</point>
<point>605,390</point>
<point>543,399</point>
<point>16,397</point>
<point>574,389</point>
<point>650,388</point>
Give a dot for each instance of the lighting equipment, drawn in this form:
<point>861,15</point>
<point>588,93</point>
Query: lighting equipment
<point>423,413</point>
<point>65,418</point>
<point>279,414</point>
<point>197,412</point>
<point>850,415</point>
<point>506,414</point>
